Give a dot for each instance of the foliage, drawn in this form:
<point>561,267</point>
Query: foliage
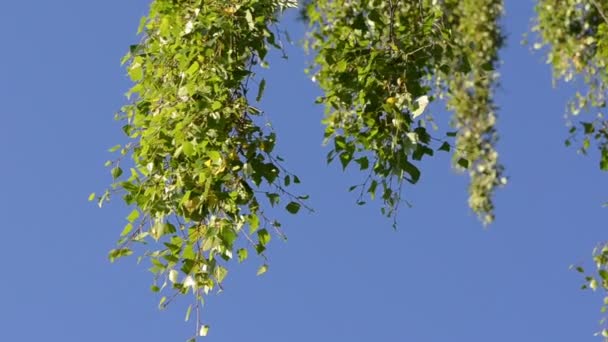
<point>381,62</point>
<point>576,32</point>
<point>599,280</point>
<point>202,175</point>
<point>372,60</point>
<point>203,170</point>
<point>470,83</point>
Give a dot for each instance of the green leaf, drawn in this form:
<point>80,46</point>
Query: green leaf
<point>164,27</point>
<point>261,89</point>
<point>228,236</point>
<point>188,148</point>
<point>293,207</point>
<point>220,273</point>
<point>273,198</point>
<point>119,253</point>
<point>173,276</point>
<point>216,105</point>
<point>116,172</point>
<point>420,151</point>
<point>242,254</point>
<point>463,163</point>
<point>588,127</point>
<point>203,331</point>
<point>161,303</point>
<point>136,72</point>
<point>263,269</point>
<point>363,163</point>
<point>188,313</point>
<point>128,228</point>
<point>372,189</point>
<point>413,171</point>
<point>215,156</point>
<point>115,148</point>
<point>91,196</point>
<point>345,158</point>
<point>254,221</point>
<point>445,147</point>
<point>593,284</point>
<point>259,248</point>
<point>263,237</point>
<point>249,19</point>
<point>188,252</point>
<point>421,104</point>
<point>193,68</point>
<point>134,215</point>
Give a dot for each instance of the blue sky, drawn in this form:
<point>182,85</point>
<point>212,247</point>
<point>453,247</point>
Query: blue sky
<point>344,274</point>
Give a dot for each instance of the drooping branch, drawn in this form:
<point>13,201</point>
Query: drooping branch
<point>470,86</point>
<point>202,165</point>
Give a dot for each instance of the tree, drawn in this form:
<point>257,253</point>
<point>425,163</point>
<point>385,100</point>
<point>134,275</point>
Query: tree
<point>203,176</point>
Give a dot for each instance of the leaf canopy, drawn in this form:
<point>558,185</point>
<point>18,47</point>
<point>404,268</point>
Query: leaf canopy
<point>201,171</point>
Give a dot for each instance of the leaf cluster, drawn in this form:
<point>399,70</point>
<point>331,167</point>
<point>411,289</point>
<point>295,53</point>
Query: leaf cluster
<point>202,170</point>
<point>199,167</point>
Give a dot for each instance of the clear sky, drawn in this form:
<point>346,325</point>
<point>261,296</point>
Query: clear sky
<point>344,274</point>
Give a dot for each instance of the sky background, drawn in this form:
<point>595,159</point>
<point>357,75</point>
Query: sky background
<point>344,274</point>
